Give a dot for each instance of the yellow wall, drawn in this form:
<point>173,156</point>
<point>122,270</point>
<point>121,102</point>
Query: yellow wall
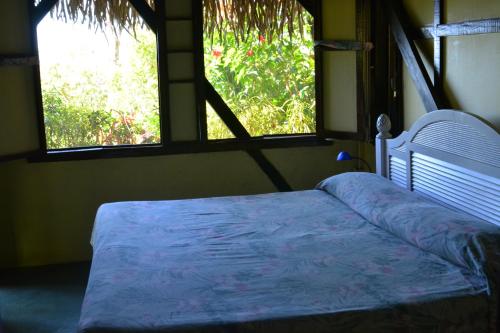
<point>339,69</point>
<point>47,209</point>
<point>18,131</point>
<point>471,63</point>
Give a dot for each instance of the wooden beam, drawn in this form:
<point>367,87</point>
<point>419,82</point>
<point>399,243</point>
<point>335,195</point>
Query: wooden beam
<point>473,27</point>
<point>146,12</point>
<point>42,9</point>
<point>162,61</point>
<point>343,45</point>
<point>363,73</point>
<point>308,5</point>
<point>224,112</point>
<point>395,96</point>
<point>18,60</point>
<point>189,147</point>
<point>19,156</point>
<point>469,27</point>
<point>401,30</point>
<point>438,45</point>
<point>270,170</point>
<point>36,14</point>
<point>386,70</point>
<point>199,70</point>
<point>240,132</point>
<point>319,71</point>
<point>426,32</point>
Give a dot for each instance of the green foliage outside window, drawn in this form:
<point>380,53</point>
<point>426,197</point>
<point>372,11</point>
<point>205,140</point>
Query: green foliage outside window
<point>94,107</point>
<point>269,86</point>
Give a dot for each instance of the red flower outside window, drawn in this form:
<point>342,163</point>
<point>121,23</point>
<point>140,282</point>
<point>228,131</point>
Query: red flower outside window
<point>217,53</point>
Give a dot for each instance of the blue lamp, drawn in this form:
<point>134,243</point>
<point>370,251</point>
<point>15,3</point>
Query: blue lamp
<point>345,156</point>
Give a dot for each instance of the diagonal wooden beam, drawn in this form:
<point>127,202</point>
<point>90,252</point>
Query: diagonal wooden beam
<point>146,12</point>
<point>240,132</point>
<point>308,5</point>
<point>270,170</point>
<point>426,32</point>
<point>42,9</point>
<point>225,112</point>
<point>401,30</point>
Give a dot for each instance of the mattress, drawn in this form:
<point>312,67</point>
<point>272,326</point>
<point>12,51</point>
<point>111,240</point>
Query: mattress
<point>301,261</point>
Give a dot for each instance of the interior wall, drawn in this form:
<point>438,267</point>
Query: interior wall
<point>339,67</point>
<point>18,130</point>
<point>471,63</point>
<point>48,208</point>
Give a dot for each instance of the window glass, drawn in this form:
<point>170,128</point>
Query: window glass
<point>99,85</point>
<point>267,82</point>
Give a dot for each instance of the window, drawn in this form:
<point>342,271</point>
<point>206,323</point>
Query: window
<point>110,74</point>
<point>99,83</point>
<point>264,71</point>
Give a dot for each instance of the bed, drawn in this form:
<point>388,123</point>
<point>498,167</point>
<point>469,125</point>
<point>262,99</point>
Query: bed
<point>392,251</point>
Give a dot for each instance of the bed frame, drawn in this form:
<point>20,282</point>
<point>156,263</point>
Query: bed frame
<point>448,156</point>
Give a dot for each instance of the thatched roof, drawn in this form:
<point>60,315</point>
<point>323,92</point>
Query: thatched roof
<point>98,14</point>
<point>267,17</point>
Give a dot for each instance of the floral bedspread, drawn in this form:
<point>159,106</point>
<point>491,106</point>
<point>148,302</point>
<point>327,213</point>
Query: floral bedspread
<point>282,262</point>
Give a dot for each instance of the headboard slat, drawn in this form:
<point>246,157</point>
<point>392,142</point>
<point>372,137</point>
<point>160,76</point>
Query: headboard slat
<point>480,202</point>
<point>398,171</point>
<point>453,203</point>
<point>459,139</point>
<point>445,180</point>
<point>463,197</point>
<point>450,157</point>
<point>455,172</point>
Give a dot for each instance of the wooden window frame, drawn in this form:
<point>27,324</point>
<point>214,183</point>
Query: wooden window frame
<point>206,93</point>
<point>155,21</point>
<point>201,144</point>
<point>364,75</point>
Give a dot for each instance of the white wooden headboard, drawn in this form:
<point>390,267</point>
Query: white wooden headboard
<point>449,156</point>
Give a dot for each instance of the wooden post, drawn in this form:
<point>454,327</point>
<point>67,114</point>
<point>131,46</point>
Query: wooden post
<point>383,127</point>
<point>401,30</point>
<point>438,46</point>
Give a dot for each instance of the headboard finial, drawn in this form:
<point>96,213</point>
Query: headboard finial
<point>384,126</point>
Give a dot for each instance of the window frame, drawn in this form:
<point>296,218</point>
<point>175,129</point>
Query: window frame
<point>314,8</point>
<point>364,77</point>
<point>152,19</point>
<point>167,146</point>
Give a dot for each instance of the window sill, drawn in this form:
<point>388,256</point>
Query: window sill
<point>187,147</point>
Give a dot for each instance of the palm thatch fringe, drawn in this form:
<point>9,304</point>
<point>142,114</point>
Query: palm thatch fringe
<point>118,15</point>
<point>269,18</point>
